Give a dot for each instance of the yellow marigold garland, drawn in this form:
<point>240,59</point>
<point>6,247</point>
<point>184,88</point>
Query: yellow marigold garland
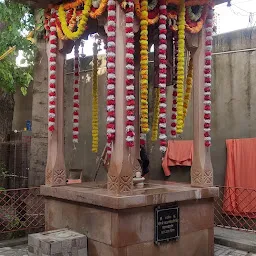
<point>189,82</point>
<point>71,26</point>
<point>100,10</point>
<point>180,67</point>
<point>82,24</point>
<point>155,125</point>
<point>144,67</point>
<point>95,119</point>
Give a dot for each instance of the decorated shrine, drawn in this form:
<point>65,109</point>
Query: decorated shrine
<point>126,215</point>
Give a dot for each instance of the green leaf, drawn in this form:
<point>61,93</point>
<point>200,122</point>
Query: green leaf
<point>24,91</point>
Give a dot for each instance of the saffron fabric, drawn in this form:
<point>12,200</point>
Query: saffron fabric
<point>179,153</point>
<point>240,184</point>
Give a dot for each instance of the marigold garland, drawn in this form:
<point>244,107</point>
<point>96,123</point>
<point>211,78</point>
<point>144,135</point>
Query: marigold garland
<point>162,54</point>
<point>174,92</point>
<point>151,20</point>
<point>95,107</point>
<point>130,97</point>
<point>189,84</point>
<point>71,20</point>
<point>208,76</point>
<point>180,67</point>
<point>154,135</point>
<point>99,11</point>
<point>111,74</point>
<point>76,94</point>
<point>52,71</point>
<point>144,69</point>
<point>82,24</point>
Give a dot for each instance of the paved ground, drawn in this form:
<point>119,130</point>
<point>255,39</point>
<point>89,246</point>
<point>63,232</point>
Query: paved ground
<point>219,251</point>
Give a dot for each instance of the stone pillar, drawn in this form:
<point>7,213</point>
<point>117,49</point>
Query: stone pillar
<point>120,173</point>
<point>55,168</point>
<point>201,171</point>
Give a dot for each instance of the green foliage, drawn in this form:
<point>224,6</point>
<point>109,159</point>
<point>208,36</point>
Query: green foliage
<point>16,21</point>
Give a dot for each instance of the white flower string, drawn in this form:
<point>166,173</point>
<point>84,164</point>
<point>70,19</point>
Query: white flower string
<point>76,95</point>
<point>111,74</point>
<point>208,76</point>
<point>52,71</point>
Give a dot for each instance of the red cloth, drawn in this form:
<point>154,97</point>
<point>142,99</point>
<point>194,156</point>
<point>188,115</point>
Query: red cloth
<point>179,152</point>
<point>239,192</point>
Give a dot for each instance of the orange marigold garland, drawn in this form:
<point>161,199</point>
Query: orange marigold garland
<point>162,53</point>
<point>180,67</point>
<point>189,84</point>
<point>111,74</point>
<point>76,94</point>
<point>144,70</point>
<point>52,71</point>
<point>130,97</point>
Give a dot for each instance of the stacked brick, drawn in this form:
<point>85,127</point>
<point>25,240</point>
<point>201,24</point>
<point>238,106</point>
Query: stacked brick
<point>62,242</point>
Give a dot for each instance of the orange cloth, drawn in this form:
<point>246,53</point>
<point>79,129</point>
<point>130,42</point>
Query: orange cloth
<point>239,192</point>
<point>179,152</point>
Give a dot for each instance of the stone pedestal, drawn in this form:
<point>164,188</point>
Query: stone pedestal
<point>124,225</point>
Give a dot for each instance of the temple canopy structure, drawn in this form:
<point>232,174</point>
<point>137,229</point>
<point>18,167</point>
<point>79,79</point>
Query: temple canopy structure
<point>182,34</point>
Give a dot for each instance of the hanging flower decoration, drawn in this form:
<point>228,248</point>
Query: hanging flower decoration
<point>153,15</point>
<point>76,94</point>
<point>100,7</point>
<point>71,20</point>
<point>155,125</point>
<point>172,14</point>
<point>95,103</point>
<point>52,71</point>
<point>152,5</point>
<point>162,53</point>
<point>111,74</point>
<point>208,77</point>
<point>144,69</point>
<point>82,24</point>
<point>174,92</point>
<point>130,97</point>
<point>189,83</point>
<point>195,18</point>
<point>180,67</point>
<point>195,12</point>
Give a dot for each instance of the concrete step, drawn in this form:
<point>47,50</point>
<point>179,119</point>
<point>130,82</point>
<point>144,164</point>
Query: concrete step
<point>240,240</point>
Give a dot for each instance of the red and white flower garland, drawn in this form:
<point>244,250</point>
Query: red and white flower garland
<point>162,53</point>
<point>52,71</point>
<point>130,97</point>
<point>174,93</point>
<point>76,95</point>
<point>208,76</point>
<point>111,74</point>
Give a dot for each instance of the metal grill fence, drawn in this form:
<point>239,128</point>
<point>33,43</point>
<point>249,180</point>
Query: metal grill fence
<point>235,208</point>
<point>21,210</point>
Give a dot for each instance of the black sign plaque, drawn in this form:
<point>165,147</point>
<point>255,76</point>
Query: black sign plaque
<point>167,223</point>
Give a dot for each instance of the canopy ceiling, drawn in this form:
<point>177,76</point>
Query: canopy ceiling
<point>45,3</point>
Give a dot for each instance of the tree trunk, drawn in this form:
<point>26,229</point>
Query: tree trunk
<point>6,113</point>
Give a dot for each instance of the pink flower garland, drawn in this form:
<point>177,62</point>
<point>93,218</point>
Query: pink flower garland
<point>162,53</point>
<point>130,97</point>
<point>52,71</point>
<point>174,93</point>
<point>208,77</point>
<point>76,95</point>
<point>111,74</point>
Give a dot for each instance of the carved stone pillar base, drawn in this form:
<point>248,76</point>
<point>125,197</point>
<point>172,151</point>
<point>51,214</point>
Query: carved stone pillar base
<point>55,177</point>
<point>120,184</point>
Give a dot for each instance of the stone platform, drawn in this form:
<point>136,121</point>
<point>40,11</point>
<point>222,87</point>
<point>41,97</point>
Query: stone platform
<point>124,225</point>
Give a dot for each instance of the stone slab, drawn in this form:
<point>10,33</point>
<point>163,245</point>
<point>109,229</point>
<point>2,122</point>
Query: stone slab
<point>154,193</point>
